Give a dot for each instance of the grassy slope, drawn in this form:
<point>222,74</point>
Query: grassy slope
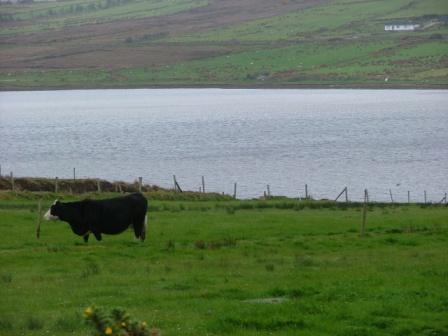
<point>394,281</point>
<point>78,12</point>
<point>341,42</point>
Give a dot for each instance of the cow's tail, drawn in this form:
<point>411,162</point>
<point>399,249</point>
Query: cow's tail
<point>144,226</point>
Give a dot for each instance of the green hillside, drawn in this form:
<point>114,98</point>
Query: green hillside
<point>138,43</point>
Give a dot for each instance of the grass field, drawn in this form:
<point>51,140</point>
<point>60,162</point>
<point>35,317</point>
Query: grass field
<point>138,43</point>
<point>282,267</point>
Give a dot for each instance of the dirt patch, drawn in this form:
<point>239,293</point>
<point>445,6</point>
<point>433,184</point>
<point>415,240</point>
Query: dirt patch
<point>271,300</point>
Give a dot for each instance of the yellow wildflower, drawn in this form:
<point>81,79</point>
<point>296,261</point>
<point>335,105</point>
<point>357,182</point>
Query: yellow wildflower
<point>108,331</point>
<point>144,324</point>
<point>88,311</point>
<point>123,324</point>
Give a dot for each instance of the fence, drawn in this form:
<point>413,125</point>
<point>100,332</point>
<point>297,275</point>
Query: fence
<point>82,185</point>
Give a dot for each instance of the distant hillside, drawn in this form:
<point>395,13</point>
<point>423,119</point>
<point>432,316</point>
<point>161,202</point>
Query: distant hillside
<point>140,43</point>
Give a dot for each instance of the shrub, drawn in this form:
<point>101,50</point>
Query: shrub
<point>200,244</point>
<point>34,323</point>
<point>7,278</point>
<point>116,323</point>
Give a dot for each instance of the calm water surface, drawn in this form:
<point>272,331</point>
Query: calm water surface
<point>328,139</point>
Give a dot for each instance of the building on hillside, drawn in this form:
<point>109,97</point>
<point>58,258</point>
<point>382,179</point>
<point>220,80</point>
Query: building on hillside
<point>401,26</point>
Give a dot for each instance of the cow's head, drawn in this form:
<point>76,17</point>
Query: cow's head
<point>54,212</point>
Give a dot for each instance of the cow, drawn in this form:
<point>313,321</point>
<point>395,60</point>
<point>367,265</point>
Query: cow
<point>108,216</point>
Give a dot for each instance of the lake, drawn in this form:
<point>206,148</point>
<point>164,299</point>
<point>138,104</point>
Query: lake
<point>327,139</point>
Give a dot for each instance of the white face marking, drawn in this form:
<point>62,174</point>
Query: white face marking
<point>49,216</point>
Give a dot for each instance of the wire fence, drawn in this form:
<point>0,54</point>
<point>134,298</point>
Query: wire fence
<point>77,184</point>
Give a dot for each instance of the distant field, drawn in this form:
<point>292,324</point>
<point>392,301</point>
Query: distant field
<point>278,267</point>
<point>137,43</point>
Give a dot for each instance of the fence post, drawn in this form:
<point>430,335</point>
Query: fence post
<point>364,214</point>
<point>74,174</point>
<point>176,185</point>
<point>140,183</point>
<point>346,195</point>
<point>409,197</point>
<point>98,185</point>
<point>425,196</point>
<point>39,218</point>
<point>56,187</point>
<point>306,191</point>
<point>269,190</point>
<point>203,184</point>
<point>343,191</point>
<point>12,181</point>
<point>234,191</point>
<point>391,197</point>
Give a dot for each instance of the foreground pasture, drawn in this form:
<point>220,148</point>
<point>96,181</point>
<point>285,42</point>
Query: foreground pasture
<point>227,268</point>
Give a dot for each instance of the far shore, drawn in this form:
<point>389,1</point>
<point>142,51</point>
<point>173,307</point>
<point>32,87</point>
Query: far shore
<point>371,86</point>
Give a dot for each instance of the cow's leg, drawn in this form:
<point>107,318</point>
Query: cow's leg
<point>97,235</point>
<point>140,228</point>
<point>86,238</point>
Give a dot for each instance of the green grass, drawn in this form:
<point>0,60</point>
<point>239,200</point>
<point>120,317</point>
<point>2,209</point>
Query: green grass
<point>208,268</point>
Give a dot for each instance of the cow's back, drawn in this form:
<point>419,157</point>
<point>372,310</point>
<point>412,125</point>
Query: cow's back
<point>115,215</point>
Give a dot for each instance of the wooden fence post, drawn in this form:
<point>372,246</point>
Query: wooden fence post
<point>364,214</point>
<point>98,185</point>
<point>56,186</point>
<point>203,184</point>
<point>409,197</point>
<point>234,191</point>
<point>74,174</point>
<point>342,192</point>
<point>306,191</point>
<point>346,195</point>
<point>140,184</point>
<point>391,197</point>
<point>12,181</point>
<point>176,185</point>
<point>39,218</point>
<point>425,196</point>
<point>269,190</point>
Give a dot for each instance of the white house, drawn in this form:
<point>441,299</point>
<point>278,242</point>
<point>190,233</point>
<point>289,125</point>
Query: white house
<point>401,26</point>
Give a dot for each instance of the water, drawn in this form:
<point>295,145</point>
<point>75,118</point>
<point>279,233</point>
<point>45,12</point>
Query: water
<point>328,139</point>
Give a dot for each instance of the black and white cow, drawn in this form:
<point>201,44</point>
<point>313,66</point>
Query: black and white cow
<point>108,216</point>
